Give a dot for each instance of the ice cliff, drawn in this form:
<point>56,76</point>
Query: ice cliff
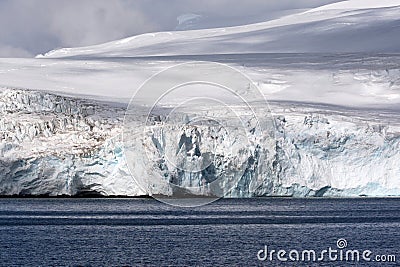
<point>57,145</point>
<point>53,145</point>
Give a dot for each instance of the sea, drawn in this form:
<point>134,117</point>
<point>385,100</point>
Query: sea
<point>227,232</point>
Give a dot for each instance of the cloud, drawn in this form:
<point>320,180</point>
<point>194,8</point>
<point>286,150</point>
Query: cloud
<point>35,26</point>
<point>7,51</point>
<point>30,27</point>
<point>88,22</point>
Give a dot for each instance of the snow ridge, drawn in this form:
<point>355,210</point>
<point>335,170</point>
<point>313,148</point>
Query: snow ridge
<point>348,26</point>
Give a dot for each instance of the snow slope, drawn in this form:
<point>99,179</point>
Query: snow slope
<point>354,80</point>
<point>348,26</point>
<point>357,4</point>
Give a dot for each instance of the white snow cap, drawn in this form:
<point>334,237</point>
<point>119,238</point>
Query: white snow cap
<point>358,4</point>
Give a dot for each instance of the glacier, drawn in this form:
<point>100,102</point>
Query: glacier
<point>331,76</point>
<point>53,145</point>
<point>58,145</point>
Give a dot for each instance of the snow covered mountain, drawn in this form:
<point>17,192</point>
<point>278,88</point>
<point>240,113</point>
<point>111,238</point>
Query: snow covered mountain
<point>348,26</point>
<point>335,117</point>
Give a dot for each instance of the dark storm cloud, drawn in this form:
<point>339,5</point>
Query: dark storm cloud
<point>29,27</point>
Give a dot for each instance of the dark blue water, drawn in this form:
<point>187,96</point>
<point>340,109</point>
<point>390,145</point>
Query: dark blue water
<point>144,232</point>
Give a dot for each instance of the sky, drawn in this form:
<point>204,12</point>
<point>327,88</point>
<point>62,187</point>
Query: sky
<point>31,27</point>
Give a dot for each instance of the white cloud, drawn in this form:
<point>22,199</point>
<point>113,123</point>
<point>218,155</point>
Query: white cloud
<point>10,51</point>
<point>89,22</point>
<point>40,25</point>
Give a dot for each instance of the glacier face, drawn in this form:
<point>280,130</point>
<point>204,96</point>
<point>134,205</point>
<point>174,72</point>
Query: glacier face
<point>53,145</point>
<point>56,145</point>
